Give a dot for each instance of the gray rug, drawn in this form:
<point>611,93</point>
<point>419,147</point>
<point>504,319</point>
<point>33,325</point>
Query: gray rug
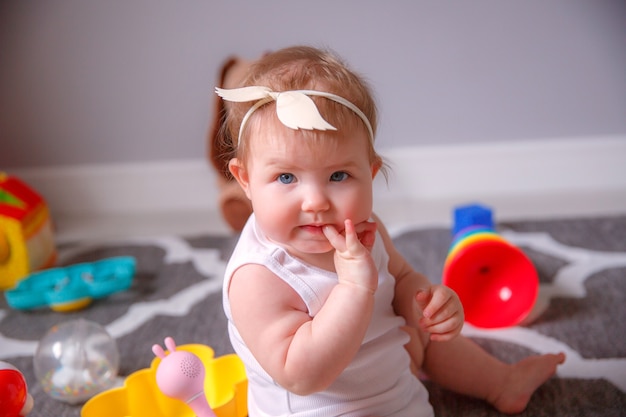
<point>582,269</point>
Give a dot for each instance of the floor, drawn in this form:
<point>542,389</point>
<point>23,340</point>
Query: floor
<point>395,214</point>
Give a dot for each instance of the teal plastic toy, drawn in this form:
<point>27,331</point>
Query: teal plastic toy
<point>73,287</point>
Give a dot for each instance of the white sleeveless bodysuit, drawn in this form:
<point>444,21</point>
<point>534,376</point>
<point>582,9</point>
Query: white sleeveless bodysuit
<point>378,382</point>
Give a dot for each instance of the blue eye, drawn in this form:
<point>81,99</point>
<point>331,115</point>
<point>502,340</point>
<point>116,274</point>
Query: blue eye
<point>338,176</point>
<point>286,178</point>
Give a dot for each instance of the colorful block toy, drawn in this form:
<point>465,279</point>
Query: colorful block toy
<point>26,237</point>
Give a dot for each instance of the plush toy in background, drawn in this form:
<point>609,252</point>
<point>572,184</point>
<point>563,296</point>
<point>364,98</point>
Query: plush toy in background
<point>14,397</point>
<point>26,238</point>
<point>233,203</point>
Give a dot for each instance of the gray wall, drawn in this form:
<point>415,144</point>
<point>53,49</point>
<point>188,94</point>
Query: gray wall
<point>86,82</point>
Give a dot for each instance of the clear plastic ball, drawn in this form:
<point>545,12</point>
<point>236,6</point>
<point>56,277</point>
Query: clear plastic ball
<point>76,360</point>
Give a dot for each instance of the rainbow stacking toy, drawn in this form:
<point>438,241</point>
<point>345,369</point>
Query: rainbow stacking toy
<point>26,239</point>
<point>495,281</point>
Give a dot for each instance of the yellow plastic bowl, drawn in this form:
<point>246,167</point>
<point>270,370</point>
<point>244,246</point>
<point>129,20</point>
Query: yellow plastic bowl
<point>225,387</point>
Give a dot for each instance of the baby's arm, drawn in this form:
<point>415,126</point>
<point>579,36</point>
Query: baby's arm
<point>434,309</point>
<point>304,354</point>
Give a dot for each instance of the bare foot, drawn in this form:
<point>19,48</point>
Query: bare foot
<point>523,380</point>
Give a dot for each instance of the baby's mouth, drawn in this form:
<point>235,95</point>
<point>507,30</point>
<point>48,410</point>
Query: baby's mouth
<point>318,229</point>
<point>313,228</point>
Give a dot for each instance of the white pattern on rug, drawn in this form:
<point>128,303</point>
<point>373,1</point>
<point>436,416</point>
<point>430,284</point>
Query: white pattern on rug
<point>206,261</point>
<point>568,282</point>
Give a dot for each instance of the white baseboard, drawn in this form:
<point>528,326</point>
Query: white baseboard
<point>125,188</point>
<point>512,168</point>
<point>452,173</point>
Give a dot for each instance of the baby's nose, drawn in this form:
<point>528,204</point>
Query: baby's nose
<point>315,199</point>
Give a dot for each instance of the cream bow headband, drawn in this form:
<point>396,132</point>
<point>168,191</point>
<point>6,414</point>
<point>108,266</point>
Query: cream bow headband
<point>294,109</point>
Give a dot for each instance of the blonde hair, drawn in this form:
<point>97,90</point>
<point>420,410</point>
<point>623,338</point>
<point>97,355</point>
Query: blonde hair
<point>303,68</point>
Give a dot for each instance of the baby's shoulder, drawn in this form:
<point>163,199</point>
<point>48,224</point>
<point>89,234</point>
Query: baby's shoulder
<point>254,284</point>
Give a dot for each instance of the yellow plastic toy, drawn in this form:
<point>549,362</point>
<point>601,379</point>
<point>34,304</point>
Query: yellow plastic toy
<point>26,238</point>
<point>225,386</point>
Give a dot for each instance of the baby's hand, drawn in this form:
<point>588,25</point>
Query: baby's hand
<point>353,262</point>
<point>442,312</point>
